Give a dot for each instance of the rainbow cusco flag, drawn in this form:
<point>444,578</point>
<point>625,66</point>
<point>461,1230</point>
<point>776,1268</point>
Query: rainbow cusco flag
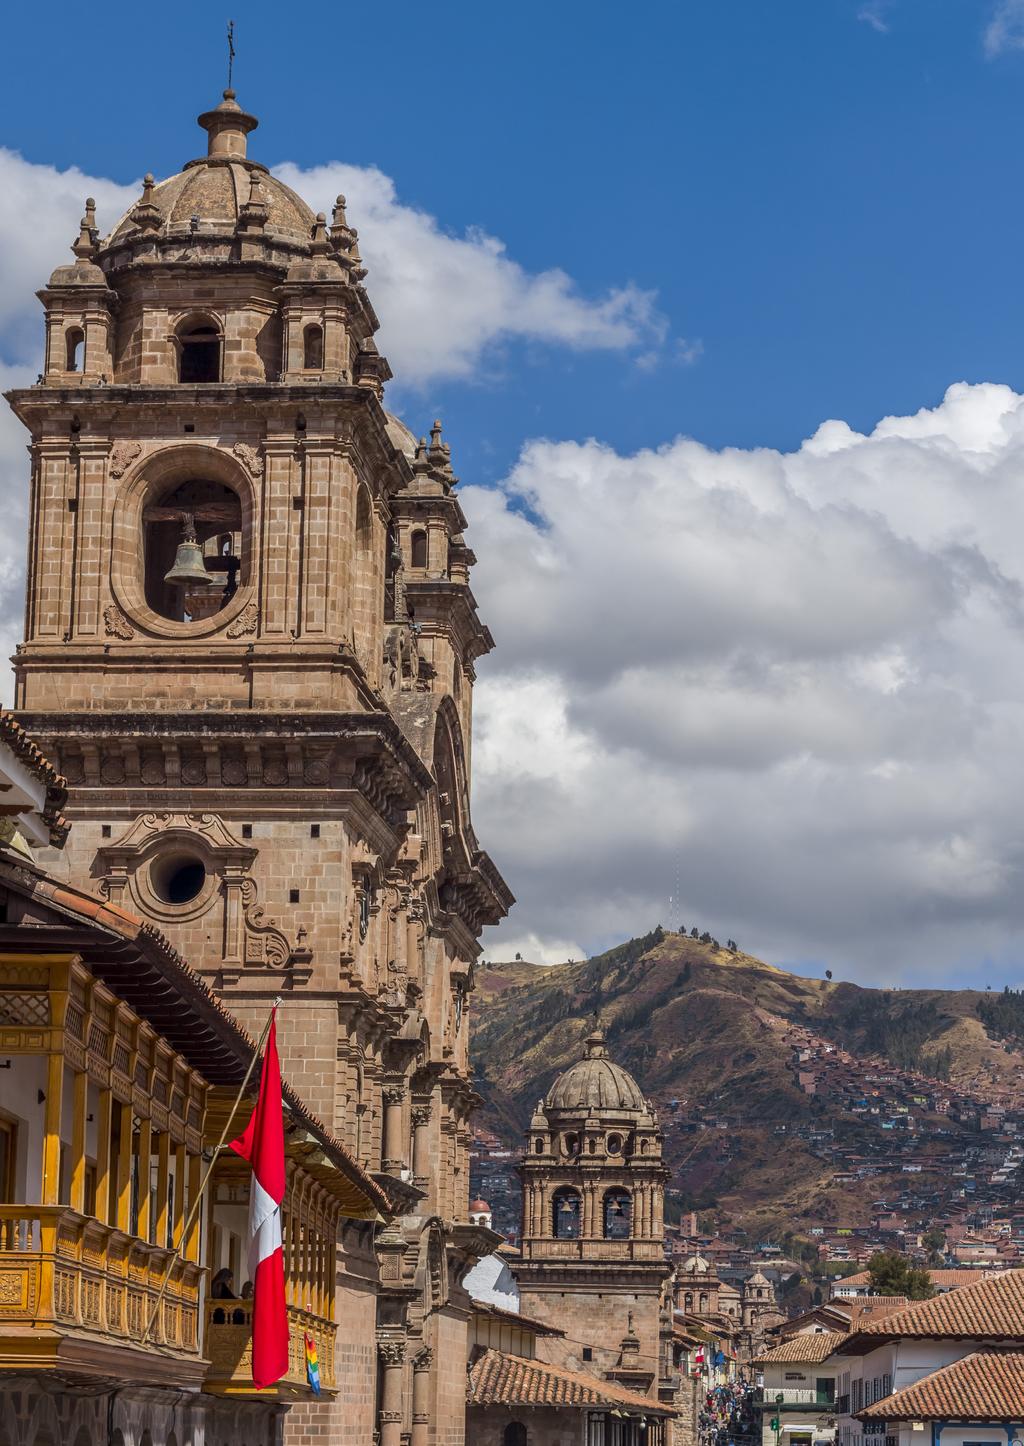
<point>312,1365</point>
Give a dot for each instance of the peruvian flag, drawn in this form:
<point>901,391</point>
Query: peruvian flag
<point>262,1145</point>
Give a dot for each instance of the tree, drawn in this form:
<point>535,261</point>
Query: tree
<point>892,1274</point>
<point>934,1241</point>
<point>828,973</point>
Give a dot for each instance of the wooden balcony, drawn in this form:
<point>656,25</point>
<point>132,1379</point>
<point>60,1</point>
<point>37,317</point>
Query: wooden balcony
<point>72,1288</point>
<point>228,1341</point>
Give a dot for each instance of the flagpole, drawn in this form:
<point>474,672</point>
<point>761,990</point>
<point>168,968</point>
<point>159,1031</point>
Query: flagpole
<point>195,1204</point>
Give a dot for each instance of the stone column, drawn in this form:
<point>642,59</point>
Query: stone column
<point>421,1363</point>
<point>421,1145</point>
<point>392,1361</point>
<point>394,1142</point>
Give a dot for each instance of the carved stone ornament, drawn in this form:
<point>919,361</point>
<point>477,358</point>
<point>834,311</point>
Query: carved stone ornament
<point>249,457</point>
<point>420,1116</point>
<point>122,455</point>
<point>245,622</point>
<point>423,1359</point>
<point>115,624</point>
<point>265,943</point>
<point>392,1353</point>
<point>393,1094</point>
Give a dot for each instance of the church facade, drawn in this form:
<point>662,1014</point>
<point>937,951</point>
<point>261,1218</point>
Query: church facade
<point>250,648</point>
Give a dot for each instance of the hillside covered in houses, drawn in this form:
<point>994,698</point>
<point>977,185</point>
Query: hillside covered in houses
<point>819,1116</point>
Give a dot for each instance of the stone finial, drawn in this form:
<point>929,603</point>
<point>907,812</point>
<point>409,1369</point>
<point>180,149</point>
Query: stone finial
<point>85,246</point>
<point>227,127</point>
<point>254,213</point>
<point>146,213</point>
<point>318,237</point>
<point>342,236</point>
<point>594,1045</point>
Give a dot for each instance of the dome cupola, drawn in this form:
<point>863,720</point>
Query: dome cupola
<point>596,1083</point>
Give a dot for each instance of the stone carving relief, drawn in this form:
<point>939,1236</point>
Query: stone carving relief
<point>245,623</point>
<point>265,942</point>
<point>122,455</point>
<point>115,624</point>
<point>249,457</point>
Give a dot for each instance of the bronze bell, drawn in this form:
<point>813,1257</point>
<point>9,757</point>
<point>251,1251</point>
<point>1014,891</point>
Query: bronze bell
<point>189,567</point>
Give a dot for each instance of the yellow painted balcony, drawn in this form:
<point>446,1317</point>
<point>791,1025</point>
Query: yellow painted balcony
<point>71,1288</point>
<point>228,1341</point>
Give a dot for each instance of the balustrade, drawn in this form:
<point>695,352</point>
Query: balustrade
<point>63,1271</point>
<point>228,1342</point>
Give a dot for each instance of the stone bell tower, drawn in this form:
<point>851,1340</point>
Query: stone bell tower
<point>593,1231</point>
<point>250,645</point>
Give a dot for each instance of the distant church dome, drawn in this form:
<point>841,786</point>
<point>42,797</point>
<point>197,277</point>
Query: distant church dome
<point>596,1083</point>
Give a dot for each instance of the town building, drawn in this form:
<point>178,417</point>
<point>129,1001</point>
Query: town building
<point>250,650</point>
<point>799,1389</point>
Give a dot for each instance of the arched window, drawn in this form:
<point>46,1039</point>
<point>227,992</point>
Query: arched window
<point>538,1146</point>
<point>313,348</point>
<point>418,548</point>
<point>74,343</point>
<point>703,1301</point>
<point>364,519</point>
<point>199,358</point>
<point>514,1434</point>
<point>617,1213</point>
<point>615,1144</point>
<point>570,1144</point>
<point>192,549</point>
<point>565,1214</point>
<point>688,1300</point>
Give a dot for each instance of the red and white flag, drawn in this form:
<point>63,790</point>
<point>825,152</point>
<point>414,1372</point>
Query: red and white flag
<point>262,1145</point>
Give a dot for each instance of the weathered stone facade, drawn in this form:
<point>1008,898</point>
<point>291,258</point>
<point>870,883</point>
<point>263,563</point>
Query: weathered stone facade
<point>272,767</point>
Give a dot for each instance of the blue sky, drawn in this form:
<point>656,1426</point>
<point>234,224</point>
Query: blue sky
<point>723,307</point>
<point>833,209</point>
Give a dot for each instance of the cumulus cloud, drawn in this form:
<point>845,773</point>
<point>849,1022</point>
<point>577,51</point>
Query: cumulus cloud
<point>1005,28</point>
<point>445,301</point>
<point>793,681</point>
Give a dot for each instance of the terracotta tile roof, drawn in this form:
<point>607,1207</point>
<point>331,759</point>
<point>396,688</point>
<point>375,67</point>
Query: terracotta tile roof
<point>811,1349</point>
<point>941,1279</point>
<point>990,1309</point>
<point>21,745</point>
<point>497,1379</point>
<point>984,1386</point>
<point>872,1307</point>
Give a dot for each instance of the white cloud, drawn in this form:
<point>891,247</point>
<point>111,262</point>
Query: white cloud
<point>793,681</point>
<point>873,14</point>
<point>445,301</point>
<point>1005,29</point>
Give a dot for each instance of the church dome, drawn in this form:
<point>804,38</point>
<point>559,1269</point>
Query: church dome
<point>595,1083</point>
<point>211,195</point>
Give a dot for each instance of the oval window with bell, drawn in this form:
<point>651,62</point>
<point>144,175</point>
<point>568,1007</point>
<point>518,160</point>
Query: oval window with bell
<point>183,527</point>
<point>193,547</point>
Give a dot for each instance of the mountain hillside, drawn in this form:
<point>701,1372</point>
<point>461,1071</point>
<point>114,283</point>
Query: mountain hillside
<point>768,1085</point>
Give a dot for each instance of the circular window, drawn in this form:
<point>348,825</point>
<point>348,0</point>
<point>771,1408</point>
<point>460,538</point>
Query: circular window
<point>178,878</point>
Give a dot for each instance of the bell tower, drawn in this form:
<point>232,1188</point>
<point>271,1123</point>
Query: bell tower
<point>593,1231</point>
<point>255,674</point>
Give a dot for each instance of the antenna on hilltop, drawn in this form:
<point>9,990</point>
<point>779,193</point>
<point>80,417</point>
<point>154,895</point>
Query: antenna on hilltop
<point>231,50</point>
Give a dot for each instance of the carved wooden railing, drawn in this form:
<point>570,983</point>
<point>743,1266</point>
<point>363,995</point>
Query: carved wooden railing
<point>64,1271</point>
<point>228,1345</point>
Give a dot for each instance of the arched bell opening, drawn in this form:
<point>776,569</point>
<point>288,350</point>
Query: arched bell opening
<point>566,1213</point>
<point>618,1213</point>
<point>192,549</point>
<point>199,350</point>
<point>74,348</point>
<point>313,348</point>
